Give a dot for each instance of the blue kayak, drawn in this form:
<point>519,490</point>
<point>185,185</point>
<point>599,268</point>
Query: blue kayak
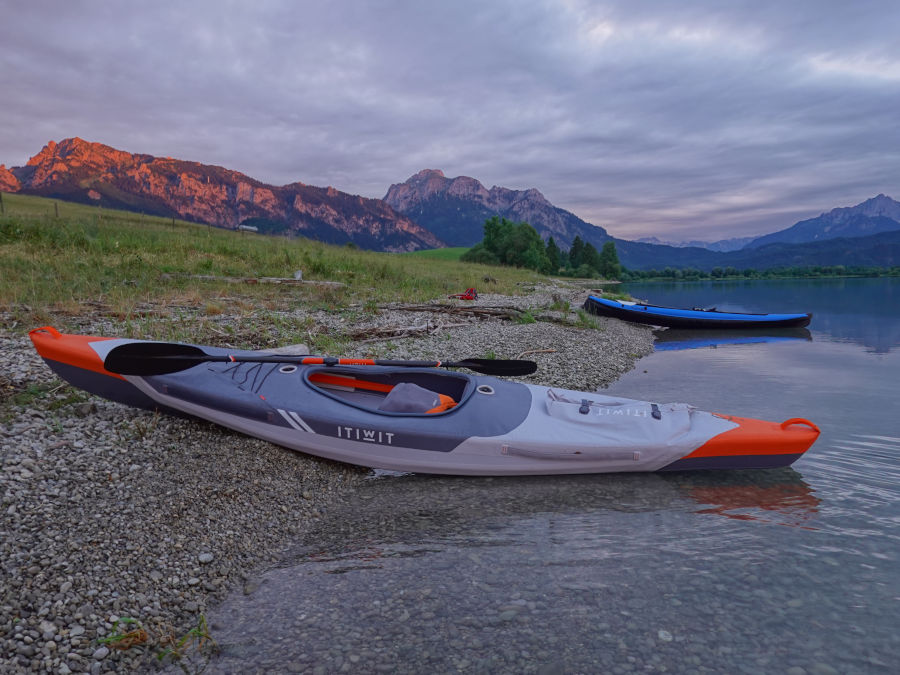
<point>689,318</point>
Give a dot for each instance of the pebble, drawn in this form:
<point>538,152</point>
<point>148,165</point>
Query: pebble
<point>109,511</point>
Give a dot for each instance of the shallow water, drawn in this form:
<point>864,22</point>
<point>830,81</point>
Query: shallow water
<point>744,572</point>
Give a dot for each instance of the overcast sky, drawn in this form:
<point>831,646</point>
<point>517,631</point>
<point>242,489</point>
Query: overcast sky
<point>689,119</point>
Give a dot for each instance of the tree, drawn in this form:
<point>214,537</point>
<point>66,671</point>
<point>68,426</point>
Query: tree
<point>590,257</point>
<point>608,264</point>
<point>525,248</point>
<point>479,254</point>
<point>585,271</point>
<point>554,256</point>
<point>576,253</point>
<point>509,243</point>
<point>496,233</point>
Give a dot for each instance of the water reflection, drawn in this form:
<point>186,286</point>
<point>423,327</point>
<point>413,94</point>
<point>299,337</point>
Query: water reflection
<point>673,339</point>
<point>790,503</point>
<point>566,574</point>
<point>421,508</point>
<point>864,311</point>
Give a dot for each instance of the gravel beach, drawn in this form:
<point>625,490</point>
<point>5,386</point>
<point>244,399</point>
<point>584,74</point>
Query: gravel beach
<point>110,513</point>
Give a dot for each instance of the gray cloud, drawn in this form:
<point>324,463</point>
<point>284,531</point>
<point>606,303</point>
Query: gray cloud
<point>684,120</point>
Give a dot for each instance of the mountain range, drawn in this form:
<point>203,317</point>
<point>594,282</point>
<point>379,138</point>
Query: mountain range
<point>428,210</point>
<point>879,214</point>
<point>455,210</point>
<point>723,245</point>
<point>93,173</point>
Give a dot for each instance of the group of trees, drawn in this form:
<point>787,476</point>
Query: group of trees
<point>519,245</point>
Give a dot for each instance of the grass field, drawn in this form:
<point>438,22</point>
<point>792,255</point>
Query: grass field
<point>451,254</point>
<point>54,268</point>
<point>27,206</point>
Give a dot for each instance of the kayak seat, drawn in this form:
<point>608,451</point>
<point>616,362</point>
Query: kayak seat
<point>411,398</point>
<point>403,397</point>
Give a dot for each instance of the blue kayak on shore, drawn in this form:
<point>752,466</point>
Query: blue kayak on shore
<point>689,318</point>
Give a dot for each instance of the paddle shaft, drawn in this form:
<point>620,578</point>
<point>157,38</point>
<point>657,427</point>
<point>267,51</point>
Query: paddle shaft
<point>160,358</point>
<point>315,361</point>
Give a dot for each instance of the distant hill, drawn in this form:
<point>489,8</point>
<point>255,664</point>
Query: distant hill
<point>93,173</point>
<point>879,214</point>
<point>876,250</point>
<point>879,250</point>
<point>723,245</point>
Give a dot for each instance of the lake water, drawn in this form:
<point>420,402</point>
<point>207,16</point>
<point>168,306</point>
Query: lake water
<point>782,571</point>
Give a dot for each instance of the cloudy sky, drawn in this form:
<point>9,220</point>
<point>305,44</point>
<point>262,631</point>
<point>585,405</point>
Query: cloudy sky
<point>689,119</point>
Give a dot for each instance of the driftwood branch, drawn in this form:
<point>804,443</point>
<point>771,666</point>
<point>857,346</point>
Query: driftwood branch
<point>479,311</point>
<point>487,312</point>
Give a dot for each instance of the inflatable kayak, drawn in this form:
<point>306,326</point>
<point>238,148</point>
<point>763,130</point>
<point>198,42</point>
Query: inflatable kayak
<point>689,318</point>
<point>419,419</point>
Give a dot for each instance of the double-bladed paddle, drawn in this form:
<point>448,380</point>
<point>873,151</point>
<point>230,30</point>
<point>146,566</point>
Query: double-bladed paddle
<point>160,358</point>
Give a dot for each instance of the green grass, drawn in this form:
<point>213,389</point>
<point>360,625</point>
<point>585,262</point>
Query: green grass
<point>190,651</point>
<point>28,206</point>
<point>129,264</point>
<point>451,254</point>
<point>586,320</point>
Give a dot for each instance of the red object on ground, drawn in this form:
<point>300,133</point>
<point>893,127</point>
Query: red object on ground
<point>470,294</point>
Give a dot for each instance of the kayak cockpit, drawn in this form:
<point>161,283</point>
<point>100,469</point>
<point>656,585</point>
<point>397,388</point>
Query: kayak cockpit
<point>401,391</point>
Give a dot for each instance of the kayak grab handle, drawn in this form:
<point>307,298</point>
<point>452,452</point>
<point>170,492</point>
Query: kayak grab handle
<point>47,329</point>
<point>799,420</point>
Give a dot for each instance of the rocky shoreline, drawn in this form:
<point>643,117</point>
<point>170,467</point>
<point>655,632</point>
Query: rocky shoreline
<point>110,514</point>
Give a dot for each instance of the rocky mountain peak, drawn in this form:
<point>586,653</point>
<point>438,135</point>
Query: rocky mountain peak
<point>467,188</point>
<point>8,180</point>
<point>533,194</point>
<point>455,209</point>
<point>425,174</point>
<point>429,183</point>
<point>74,158</point>
<point>881,205</point>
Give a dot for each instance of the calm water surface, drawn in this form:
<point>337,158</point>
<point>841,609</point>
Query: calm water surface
<point>738,572</point>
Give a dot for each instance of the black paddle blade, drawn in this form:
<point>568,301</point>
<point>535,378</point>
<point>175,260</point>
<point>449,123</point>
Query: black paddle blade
<point>501,367</point>
<point>153,358</point>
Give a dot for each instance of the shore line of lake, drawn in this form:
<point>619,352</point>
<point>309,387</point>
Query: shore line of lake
<point>110,513</point>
